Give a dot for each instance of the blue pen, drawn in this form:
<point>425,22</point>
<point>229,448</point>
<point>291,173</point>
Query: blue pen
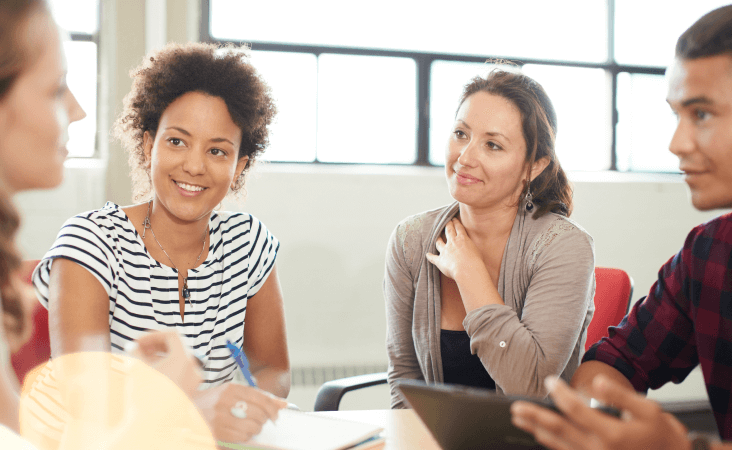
<point>241,361</point>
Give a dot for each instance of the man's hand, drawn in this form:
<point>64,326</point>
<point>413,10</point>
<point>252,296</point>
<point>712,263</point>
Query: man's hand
<point>644,425</point>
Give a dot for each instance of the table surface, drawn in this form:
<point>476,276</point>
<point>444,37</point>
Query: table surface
<point>403,430</point>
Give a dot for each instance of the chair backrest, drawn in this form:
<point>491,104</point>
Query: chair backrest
<point>38,348</point>
<point>613,291</point>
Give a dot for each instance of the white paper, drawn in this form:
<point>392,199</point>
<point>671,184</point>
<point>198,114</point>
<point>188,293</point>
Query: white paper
<point>295,430</point>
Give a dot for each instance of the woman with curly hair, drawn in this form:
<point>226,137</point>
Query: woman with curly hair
<point>494,290</point>
<point>196,119</point>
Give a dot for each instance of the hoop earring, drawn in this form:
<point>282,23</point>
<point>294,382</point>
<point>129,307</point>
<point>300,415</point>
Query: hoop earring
<point>528,198</point>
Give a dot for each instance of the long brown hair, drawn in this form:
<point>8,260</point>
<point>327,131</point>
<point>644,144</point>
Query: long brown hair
<point>14,58</point>
<point>14,55</point>
<point>9,263</point>
<point>550,190</point>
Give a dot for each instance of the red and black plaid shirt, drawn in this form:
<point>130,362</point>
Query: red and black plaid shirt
<point>686,319</point>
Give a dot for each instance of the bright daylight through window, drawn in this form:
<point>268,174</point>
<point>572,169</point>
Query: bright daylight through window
<point>379,82</point>
<point>81,21</point>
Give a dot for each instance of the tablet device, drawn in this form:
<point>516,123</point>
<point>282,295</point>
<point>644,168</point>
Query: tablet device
<point>467,418</point>
<point>461,417</point>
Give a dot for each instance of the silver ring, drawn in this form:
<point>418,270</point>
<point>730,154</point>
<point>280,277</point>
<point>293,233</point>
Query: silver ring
<point>239,410</point>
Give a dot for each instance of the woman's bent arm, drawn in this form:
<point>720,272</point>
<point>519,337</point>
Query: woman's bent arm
<point>399,298</point>
<point>78,310</point>
<point>265,341</point>
<point>519,352</point>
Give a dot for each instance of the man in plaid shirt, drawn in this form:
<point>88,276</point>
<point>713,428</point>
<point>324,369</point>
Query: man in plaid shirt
<point>686,319</point>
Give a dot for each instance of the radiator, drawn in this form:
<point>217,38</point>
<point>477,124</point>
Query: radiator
<point>316,376</point>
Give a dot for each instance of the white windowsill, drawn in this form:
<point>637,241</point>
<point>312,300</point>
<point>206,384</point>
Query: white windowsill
<point>85,163</point>
<point>264,167</point>
<point>606,176</point>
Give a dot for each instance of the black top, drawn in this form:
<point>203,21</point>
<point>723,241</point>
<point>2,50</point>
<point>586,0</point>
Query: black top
<point>459,366</point>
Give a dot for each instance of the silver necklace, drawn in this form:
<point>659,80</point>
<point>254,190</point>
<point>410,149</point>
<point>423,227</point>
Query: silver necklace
<point>146,225</point>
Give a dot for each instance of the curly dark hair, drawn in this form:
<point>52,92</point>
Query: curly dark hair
<point>176,69</point>
<point>550,190</point>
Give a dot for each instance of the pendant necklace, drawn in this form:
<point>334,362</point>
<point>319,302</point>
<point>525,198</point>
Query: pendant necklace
<point>146,225</point>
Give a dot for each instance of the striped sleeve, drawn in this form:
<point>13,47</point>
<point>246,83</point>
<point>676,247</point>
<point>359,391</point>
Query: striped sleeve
<point>87,241</point>
<point>262,254</point>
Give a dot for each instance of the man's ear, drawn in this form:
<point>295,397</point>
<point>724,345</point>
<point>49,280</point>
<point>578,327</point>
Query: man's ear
<point>539,166</point>
<point>147,144</point>
<point>241,165</point>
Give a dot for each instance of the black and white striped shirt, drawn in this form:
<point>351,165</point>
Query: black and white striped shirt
<point>143,294</point>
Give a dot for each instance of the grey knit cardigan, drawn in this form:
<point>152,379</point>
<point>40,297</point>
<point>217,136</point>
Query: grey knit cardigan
<point>546,280</point>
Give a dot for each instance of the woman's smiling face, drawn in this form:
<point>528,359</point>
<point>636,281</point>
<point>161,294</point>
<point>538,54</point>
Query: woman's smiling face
<point>486,153</point>
<point>193,157</point>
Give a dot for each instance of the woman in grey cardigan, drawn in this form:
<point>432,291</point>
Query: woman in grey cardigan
<point>495,290</point>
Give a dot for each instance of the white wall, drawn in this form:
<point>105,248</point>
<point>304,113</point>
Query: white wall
<point>334,222</point>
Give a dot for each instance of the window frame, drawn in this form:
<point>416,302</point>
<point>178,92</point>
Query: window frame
<point>423,62</point>
<point>75,36</point>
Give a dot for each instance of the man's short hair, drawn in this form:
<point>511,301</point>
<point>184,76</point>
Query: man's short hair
<point>709,36</point>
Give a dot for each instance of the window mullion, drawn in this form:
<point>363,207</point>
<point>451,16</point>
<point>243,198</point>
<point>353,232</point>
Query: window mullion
<point>613,84</point>
<point>205,28</point>
<point>424,64</point>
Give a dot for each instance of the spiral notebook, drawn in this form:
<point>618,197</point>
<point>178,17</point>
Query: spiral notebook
<point>296,430</point>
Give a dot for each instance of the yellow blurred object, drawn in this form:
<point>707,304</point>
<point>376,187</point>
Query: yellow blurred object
<point>99,400</point>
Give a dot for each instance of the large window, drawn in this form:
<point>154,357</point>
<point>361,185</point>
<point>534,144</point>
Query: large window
<point>379,81</point>
<point>82,23</point>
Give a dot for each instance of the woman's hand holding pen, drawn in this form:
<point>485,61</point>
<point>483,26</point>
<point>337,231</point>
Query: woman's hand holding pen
<point>216,406</point>
<point>234,412</point>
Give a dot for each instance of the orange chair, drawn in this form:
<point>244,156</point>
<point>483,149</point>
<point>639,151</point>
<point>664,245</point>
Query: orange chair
<point>613,291</point>
<point>38,348</point>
